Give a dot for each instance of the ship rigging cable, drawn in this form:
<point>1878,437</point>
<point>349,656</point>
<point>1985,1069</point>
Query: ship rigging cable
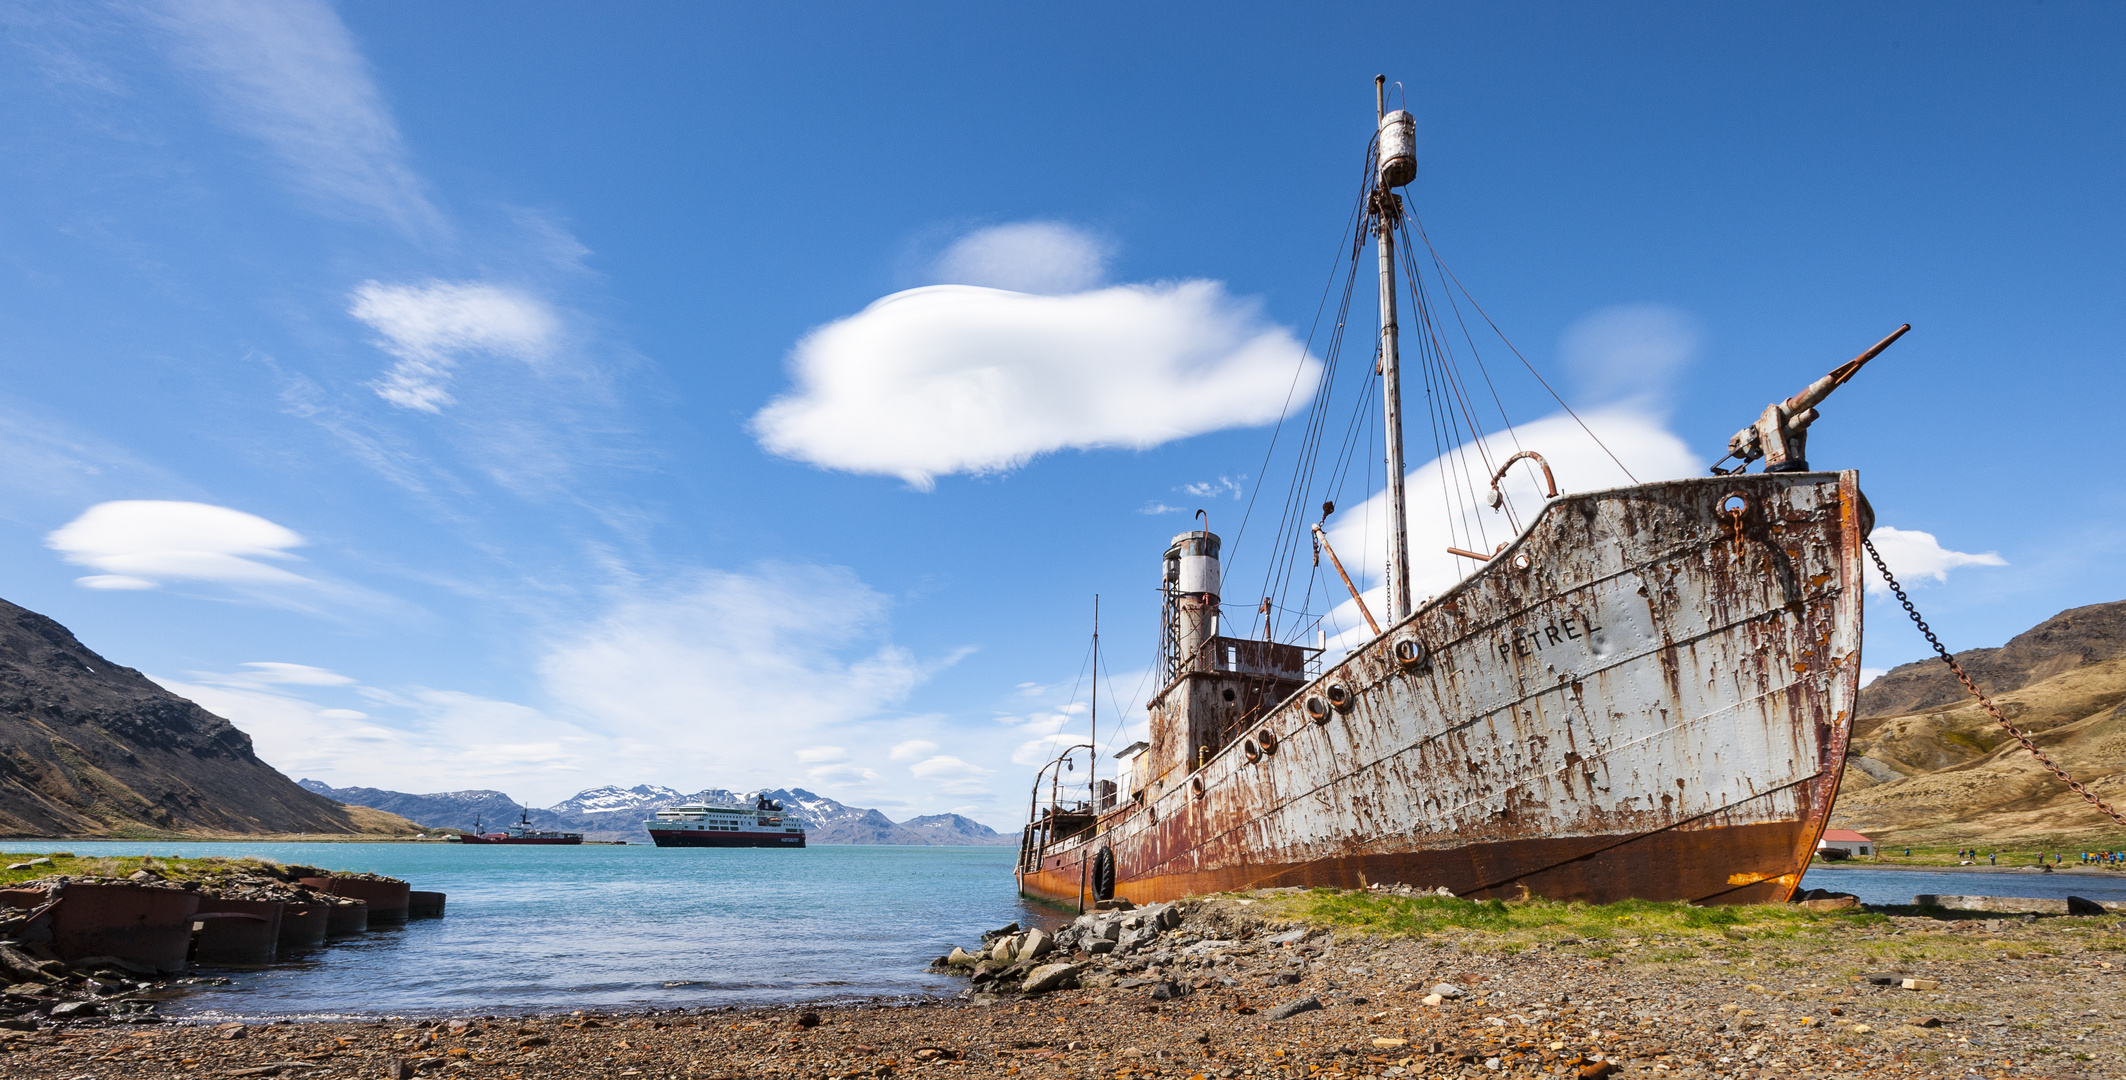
<point>1984,701</point>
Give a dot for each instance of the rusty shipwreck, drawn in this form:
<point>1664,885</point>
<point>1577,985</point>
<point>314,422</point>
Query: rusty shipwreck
<point>1645,692</point>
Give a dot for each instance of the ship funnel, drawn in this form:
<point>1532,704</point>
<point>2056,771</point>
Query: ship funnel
<point>1190,585</point>
<point>1398,149</point>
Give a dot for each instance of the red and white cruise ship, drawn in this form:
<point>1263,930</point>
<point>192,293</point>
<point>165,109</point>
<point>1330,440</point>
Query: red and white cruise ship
<point>726,825</point>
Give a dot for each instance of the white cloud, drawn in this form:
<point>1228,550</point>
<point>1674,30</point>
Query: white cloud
<point>813,755</point>
<point>430,325</point>
<point>140,544</point>
<point>1870,674</point>
<point>1912,555</point>
<point>1028,257</point>
<point>1211,489</point>
<point>961,379</point>
<point>952,776</point>
<point>716,675</point>
<point>429,740</point>
<point>288,73</point>
<point>270,672</point>
<point>1629,352</point>
<point>912,750</point>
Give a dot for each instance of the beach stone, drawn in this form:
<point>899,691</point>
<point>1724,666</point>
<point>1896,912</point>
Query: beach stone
<point>1291,1009</point>
<point>1038,944</point>
<point>1922,984</point>
<point>1006,930</point>
<point>1100,947</point>
<point>75,1010</point>
<point>1832,903</point>
<point>1448,991</point>
<point>1003,950</point>
<point>1433,999</point>
<point>1049,977</point>
<point>962,958</point>
<point>1288,937</point>
<point>1168,991</point>
<point>398,1069</point>
<point>1924,1021</point>
<point>1884,978</point>
<point>2079,906</point>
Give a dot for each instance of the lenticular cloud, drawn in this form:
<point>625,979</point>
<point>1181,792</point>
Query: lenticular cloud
<point>963,379</point>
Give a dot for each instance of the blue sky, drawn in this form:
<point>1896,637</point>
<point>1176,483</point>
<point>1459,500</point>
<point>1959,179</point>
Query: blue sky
<point>537,397</point>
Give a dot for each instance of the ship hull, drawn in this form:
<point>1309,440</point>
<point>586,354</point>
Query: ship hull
<point>1644,696</point>
<point>725,840</point>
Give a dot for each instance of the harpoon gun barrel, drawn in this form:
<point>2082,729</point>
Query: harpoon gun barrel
<point>1780,435</point>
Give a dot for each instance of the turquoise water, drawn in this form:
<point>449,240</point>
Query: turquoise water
<point>1900,886</point>
<point>557,928</point>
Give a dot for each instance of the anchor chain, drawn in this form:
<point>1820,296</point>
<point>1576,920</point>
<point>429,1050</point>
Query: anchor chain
<point>1985,702</point>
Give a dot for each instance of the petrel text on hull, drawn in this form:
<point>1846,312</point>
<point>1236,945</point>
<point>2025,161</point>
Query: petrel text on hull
<point>1644,692</point>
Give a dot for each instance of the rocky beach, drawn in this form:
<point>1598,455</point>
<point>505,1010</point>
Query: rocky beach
<point>1292,985</point>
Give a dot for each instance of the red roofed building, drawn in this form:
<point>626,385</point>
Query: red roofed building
<point>1845,842</point>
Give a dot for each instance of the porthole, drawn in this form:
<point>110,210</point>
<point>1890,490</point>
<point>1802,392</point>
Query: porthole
<point>1253,751</point>
<point>1317,710</point>
<point>1268,741</point>
<point>1195,784</point>
<point>1229,695</point>
<point>1341,698</point>
<point>1412,655</point>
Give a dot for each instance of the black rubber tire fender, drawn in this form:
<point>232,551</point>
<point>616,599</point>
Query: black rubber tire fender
<point>1104,874</point>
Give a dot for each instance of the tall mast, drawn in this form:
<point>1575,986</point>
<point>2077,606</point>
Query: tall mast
<point>1397,165</point>
<point>1092,771</point>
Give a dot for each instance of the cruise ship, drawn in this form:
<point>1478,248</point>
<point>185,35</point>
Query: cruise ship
<point>762,824</point>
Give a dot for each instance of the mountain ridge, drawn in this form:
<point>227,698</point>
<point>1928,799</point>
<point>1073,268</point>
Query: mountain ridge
<point>612,812</point>
<point>93,748</point>
<point>1927,765</point>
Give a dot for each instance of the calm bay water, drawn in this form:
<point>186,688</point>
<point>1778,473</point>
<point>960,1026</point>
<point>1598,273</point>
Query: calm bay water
<point>552,928</point>
<point>1900,886</point>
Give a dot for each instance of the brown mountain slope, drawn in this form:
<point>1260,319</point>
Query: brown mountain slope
<point>1927,765</point>
<point>88,748</point>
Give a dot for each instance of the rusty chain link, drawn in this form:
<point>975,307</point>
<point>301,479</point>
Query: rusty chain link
<point>1985,702</point>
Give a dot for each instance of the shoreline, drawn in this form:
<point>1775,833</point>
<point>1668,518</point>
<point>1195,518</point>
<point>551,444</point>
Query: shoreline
<point>2063,868</point>
<point>1398,987</point>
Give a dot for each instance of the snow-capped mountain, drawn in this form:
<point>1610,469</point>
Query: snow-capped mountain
<point>617,813</point>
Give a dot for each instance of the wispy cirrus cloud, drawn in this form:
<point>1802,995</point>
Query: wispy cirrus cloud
<point>1044,257</point>
<point>430,326</point>
<point>289,74</point>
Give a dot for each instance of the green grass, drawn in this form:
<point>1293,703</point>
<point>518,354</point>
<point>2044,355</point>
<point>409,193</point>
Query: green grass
<point>1661,930</point>
<point>209,869</point>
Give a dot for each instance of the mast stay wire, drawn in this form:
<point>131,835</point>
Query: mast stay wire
<point>1451,379</point>
<point>1419,224</point>
<point>1351,223</point>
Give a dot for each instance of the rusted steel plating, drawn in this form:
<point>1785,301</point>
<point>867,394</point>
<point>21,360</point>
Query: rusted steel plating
<point>1623,705</point>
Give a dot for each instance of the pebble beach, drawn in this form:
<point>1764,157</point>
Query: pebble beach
<point>1305,985</point>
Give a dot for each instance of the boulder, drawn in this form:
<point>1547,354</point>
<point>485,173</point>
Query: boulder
<point>1049,977</point>
<point>1037,944</point>
<point>1291,1009</point>
<point>1168,991</point>
<point>962,958</point>
<point>1448,991</point>
<point>1006,930</point>
<point>1004,949</point>
<point>2079,906</point>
